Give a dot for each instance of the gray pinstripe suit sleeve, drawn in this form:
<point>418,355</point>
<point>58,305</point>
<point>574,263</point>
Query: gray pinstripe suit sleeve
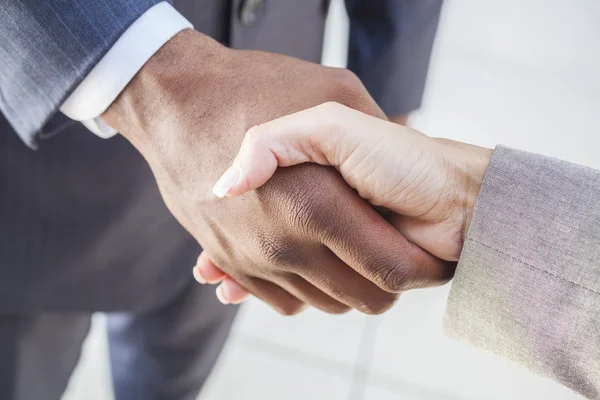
<point>47,47</point>
<point>528,282</point>
<point>390,47</point>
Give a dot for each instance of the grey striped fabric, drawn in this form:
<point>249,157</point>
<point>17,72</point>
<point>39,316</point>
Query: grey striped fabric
<point>47,47</point>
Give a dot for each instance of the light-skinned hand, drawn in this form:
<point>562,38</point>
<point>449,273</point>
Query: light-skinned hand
<point>429,184</point>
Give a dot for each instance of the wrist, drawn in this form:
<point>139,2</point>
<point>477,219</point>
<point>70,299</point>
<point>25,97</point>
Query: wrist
<point>466,166</point>
<point>156,92</point>
<point>477,160</point>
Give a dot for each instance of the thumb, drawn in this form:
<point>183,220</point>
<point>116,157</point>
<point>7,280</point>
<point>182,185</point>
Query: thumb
<point>305,136</point>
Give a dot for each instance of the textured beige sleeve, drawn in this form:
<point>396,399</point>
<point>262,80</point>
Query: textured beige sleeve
<point>527,286</point>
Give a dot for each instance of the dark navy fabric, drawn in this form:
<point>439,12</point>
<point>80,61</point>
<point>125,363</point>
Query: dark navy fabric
<point>83,227</point>
<point>390,47</point>
<point>165,353</point>
<point>48,46</point>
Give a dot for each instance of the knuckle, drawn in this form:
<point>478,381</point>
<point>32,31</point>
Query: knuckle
<point>348,87</point>
<point>331,107</point>
<point>252,135</point>
<point>329,114</point>
<point>278,252</point>
<point>338,309</point>
<point>347,78</point>
<point>394,275</point>
<point>290,309</point>
<point>380,306</point>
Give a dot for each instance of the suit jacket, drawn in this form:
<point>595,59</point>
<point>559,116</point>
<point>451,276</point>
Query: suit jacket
<point>528,282</point>
<point>82,225</point>
<point>47,48</point>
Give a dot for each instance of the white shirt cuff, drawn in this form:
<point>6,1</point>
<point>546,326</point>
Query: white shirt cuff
<point>119,65</point>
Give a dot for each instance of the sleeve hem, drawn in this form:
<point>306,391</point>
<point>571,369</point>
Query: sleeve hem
<point>120,64</point>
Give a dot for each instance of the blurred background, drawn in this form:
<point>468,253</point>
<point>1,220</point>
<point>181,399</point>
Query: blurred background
<point>524,73</point>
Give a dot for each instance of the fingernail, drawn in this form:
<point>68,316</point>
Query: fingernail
<point>197,276</point>
<point>221,295</point>
<point>227,181</point>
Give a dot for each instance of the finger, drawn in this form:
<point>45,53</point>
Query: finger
<point>272,294</point>
<point>373,248</point>
<point>311,135</point>
<point>269,292</point>
<point>349,287</point>
<point>440,239</point>
<point>231,292</point>
<point>311,295</point>
<point>206,271</point>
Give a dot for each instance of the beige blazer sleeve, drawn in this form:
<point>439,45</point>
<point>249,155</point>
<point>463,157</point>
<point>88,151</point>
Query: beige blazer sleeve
<point>527,286</point>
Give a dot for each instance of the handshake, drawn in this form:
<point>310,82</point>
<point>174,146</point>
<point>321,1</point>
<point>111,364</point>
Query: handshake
<point>375,208</point>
